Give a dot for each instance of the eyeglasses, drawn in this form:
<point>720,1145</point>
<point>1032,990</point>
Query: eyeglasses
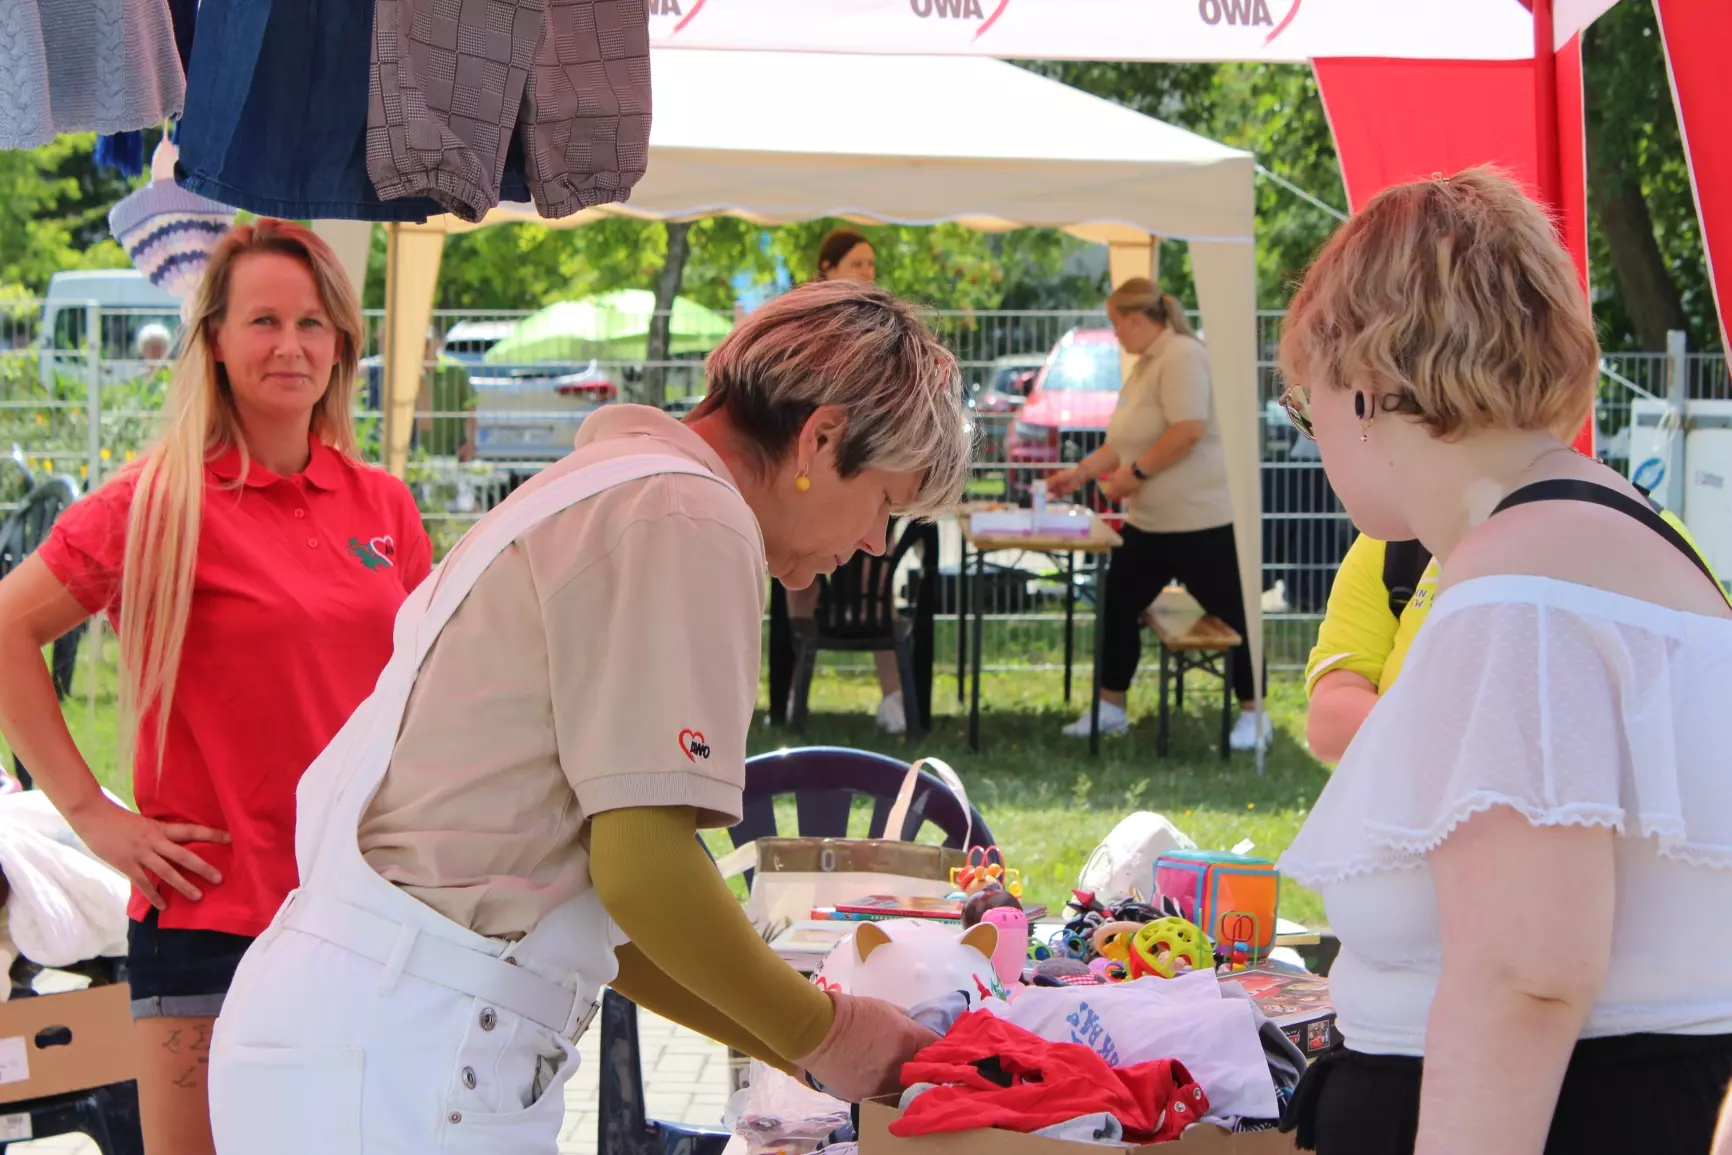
<point>1297,402</point>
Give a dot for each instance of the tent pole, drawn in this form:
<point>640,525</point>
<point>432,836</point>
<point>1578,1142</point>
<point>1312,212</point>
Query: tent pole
<point>388,343</point>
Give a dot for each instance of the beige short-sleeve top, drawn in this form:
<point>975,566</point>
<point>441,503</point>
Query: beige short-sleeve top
<point>608,658</point>
<point>1168,384</point>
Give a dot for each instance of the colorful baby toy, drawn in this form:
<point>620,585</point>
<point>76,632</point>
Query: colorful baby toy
<point>1169,947</point>
<point>985,868</point>
<point>1233,898</point>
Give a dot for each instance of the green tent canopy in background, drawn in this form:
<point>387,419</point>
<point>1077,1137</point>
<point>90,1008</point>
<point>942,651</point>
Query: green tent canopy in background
<point>608,327</point>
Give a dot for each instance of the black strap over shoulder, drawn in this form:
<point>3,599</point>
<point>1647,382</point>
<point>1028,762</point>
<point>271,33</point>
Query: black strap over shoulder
<point>1404,564</point>
<point>1575,489</point>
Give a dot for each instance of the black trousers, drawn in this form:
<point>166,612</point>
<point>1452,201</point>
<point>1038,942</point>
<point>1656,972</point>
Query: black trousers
<point>1652,1094</point>
<point>1206,561</point>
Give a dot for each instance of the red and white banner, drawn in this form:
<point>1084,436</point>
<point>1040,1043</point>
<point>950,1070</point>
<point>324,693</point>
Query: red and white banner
<point>1412,86</point>
<point>1289,31</point>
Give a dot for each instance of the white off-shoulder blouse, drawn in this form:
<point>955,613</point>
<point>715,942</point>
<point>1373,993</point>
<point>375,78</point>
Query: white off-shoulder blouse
<point>1572,706</point>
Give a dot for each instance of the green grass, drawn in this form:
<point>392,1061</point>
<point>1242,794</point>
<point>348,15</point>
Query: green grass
<point>1048,803</point>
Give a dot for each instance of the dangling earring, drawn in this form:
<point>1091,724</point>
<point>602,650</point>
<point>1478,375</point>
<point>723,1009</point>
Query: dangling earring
<point>1359,412</point>
<point>802,482</point>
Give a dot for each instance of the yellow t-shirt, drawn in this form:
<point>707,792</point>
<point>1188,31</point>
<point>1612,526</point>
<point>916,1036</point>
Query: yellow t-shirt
<point>1358,633</point>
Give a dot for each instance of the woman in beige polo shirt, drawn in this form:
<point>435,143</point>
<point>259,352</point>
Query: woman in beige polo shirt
<point>1163,461</point>
<point>510,822</point>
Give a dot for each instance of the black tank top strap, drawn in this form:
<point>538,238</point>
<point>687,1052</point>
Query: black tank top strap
<point>1575,489</point>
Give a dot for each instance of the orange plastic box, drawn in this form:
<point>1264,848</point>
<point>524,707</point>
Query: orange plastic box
<point>1232,897</point>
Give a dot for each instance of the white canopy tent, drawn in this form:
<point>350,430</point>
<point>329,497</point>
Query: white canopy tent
<point>917,140</point>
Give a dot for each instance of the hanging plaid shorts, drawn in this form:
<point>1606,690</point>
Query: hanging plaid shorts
<point>453,80</point>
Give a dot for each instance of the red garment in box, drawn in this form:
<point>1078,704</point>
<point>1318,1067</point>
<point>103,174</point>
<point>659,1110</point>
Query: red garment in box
<point>1049,1083</point>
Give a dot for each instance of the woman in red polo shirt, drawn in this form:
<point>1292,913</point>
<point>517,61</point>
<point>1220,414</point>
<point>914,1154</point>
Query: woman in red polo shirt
<point>252,567</point>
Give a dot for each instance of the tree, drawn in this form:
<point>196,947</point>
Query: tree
<point>677,247</point>
<point>1645,249</point>
<point>54,204</point>
<point>1272,111</point>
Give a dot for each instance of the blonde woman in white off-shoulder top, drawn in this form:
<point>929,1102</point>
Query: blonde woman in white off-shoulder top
<point>1527,850</point>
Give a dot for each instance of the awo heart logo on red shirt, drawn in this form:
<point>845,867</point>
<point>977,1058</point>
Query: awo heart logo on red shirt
<point>692,745</point>
<point>378,553</point>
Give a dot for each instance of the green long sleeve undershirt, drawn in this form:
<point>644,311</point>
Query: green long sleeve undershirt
<point>707,968</point>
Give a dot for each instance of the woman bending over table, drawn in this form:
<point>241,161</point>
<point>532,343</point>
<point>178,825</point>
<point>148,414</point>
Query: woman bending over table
<point>510,822</point>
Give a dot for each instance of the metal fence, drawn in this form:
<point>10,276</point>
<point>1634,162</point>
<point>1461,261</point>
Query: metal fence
<point>81,408</point>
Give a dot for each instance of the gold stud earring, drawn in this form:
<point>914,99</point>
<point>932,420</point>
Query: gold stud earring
<point>802,483</point>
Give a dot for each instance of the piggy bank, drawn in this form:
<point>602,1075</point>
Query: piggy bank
<point>908,961</point>
<point>1011,954</point>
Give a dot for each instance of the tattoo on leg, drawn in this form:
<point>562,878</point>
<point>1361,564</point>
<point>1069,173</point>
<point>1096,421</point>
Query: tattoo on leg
<point>188,1079</point>
<point>172,1043</point>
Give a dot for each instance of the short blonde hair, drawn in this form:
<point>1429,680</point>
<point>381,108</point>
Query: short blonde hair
<point>1141,295</point>
<point>1455,295</point>
<point>852,345</point>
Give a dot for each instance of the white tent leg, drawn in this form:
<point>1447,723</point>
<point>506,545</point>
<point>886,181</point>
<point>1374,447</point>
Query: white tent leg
<point>411,276</point>
<point>1226,277</point>
<point>352,241</point>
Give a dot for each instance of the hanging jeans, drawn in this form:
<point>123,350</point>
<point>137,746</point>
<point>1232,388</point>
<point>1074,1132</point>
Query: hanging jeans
<point>276,117</point>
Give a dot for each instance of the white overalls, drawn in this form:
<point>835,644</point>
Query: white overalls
<point>363,1021</point>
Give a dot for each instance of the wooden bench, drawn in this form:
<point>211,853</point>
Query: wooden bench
<point>1192,641</point>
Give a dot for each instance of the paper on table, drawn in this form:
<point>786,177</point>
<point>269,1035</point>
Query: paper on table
<point>1058,521</point>
<point>16,1128</point>
<point>14,1060</point>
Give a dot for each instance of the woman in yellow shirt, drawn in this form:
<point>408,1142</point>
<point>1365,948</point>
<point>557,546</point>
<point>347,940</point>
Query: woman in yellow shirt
<point>1365,634</point>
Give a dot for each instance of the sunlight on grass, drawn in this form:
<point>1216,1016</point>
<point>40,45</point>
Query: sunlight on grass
<point>1047,802</point>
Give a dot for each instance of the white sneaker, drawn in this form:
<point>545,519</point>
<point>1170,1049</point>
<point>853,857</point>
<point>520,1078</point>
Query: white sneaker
<point>892,718</point>
<point>1113,721</point>
<point>1247,734</point>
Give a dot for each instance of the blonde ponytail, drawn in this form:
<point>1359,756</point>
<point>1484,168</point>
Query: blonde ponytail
<point>199,422</point>
<point>1140,295</point>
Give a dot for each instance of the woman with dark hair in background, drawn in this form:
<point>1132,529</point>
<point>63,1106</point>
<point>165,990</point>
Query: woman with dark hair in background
<point>844,255</point>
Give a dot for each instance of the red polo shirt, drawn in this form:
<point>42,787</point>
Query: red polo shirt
<point>297,584</point>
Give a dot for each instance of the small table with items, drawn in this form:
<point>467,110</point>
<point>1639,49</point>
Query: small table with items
<point>1102,539</point>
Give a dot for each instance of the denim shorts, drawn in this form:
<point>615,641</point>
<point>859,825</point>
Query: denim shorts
<point>180,973</point>
<point>276,113</point>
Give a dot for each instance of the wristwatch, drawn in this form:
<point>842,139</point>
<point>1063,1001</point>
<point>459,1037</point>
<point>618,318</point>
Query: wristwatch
<point>1137,472</point>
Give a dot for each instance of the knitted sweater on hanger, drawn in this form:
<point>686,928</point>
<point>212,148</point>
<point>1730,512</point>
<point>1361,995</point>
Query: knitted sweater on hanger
<point>85,65</point>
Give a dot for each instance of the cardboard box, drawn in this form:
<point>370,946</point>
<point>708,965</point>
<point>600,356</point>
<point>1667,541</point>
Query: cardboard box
<point>875,1139</point>
<point>52,1044</point>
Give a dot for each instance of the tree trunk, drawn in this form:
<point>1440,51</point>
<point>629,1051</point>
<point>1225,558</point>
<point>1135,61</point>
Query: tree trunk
<point>667,288</point>
<point>1650,296</point>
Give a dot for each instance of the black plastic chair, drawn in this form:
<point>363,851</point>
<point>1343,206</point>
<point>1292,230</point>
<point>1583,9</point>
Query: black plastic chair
<point>857,612</point>
<point>24,529</point>
<point>27,527</point>
<point>824,781</point>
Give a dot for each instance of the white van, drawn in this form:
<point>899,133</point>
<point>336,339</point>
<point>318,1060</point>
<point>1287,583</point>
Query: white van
<point>128,303</point>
